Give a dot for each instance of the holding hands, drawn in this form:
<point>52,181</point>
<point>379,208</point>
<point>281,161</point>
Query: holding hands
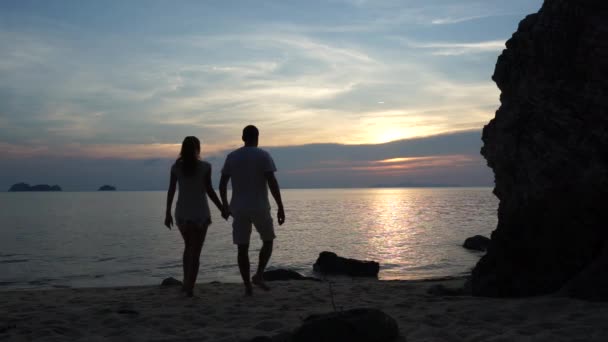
<point>226,212</point>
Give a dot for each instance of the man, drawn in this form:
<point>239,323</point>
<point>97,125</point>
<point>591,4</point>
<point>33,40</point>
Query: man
<point>251,170</point>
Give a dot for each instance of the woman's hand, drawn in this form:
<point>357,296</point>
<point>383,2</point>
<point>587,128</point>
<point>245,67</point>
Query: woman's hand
<point>168,220</point>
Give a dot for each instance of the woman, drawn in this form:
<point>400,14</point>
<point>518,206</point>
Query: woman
<point>193,176</point>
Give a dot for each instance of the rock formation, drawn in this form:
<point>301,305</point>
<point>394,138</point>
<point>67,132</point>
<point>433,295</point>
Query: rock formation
<point>548,147</point>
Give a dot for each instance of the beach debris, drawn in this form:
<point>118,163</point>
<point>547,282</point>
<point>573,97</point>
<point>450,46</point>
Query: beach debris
<point>171,282</point>
<point>331,263</point>
<point>477,243</point>
<point>284,274</point>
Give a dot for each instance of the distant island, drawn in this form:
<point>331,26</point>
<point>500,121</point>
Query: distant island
<point>22,187</point>
<point>107,188</point>
<point>416,185</point>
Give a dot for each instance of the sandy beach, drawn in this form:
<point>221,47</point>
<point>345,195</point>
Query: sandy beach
<point>221,313</point>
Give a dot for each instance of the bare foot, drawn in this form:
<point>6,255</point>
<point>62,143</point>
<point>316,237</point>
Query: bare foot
<point>258,281</point>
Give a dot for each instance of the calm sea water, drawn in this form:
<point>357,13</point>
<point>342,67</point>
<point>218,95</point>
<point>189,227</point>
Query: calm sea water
<point>117,238</point>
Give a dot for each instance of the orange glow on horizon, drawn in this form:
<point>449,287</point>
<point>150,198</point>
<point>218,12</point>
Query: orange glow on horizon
<point>400,165</point>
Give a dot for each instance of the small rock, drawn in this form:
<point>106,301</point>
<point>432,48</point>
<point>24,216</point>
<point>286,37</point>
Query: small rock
<point>477,243</point>
<point>171,282</point>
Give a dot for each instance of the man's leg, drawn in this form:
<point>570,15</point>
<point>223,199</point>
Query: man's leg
<point>265,254</point>
<point>263,224</point>
<point>243,260</point>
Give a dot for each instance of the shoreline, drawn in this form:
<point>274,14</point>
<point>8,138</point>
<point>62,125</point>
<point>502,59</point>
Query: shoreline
<point>222,313</point>
<point>332,278</point>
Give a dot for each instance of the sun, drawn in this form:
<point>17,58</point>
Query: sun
<point>390,134</point>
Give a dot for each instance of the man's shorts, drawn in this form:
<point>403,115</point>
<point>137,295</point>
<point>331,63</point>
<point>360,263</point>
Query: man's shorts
<point>242,221</point>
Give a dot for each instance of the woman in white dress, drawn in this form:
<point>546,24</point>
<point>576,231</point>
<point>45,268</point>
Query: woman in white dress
<point>193,178</point>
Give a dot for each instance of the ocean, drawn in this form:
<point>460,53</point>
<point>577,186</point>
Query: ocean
<point>98,239</point>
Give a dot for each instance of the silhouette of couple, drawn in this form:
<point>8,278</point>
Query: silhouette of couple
<point>251,171</point>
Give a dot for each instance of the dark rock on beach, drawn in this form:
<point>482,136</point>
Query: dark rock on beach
<point>22,187</point>
<point>171,282</point>
<point>357,325</point>
<point>107,188</point>
<point>331,263</point>
<point>548,147</point>
<point>282,274</point>
<point>477,243</point>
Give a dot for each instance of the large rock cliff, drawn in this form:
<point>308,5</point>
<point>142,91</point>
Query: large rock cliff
<point>548,147</point>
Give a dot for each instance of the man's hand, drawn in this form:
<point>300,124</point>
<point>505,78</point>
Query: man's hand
<point>168,220</point>
<point>281,216</point>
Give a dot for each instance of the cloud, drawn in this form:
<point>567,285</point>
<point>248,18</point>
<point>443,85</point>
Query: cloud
<point>113,90</point>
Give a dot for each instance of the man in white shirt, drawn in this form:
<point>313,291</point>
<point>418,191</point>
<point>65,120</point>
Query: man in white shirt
<point>251,170</point>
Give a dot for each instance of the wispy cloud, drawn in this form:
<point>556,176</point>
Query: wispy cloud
<point>455,48</point>
<point>462,19</point>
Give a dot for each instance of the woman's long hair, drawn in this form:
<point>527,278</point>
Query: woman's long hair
<point>188,156</point>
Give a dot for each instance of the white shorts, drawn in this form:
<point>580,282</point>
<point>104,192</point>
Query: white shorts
<point>242,221</point>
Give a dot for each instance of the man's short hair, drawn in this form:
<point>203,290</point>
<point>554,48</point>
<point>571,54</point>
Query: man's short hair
<point>250,133</point>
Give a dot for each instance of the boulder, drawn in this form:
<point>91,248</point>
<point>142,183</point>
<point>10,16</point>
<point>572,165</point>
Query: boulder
<point>331,263</point>
<point>171,282</point>
<point>283,274</point>
<point>357,325</point>
<point>548,148</point>
<point>477,243</point>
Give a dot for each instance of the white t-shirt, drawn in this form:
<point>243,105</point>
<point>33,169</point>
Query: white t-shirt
<point>192,193</point>
<point>247,167</point>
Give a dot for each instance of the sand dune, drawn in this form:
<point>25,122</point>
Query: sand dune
<point>222,313</point>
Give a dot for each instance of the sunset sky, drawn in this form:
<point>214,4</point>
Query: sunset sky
<point>100,91</point>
